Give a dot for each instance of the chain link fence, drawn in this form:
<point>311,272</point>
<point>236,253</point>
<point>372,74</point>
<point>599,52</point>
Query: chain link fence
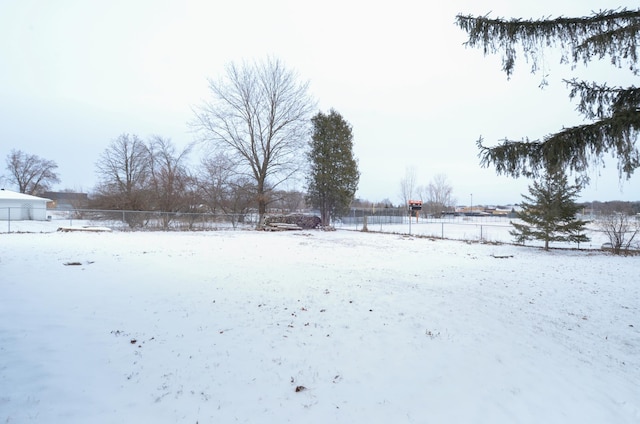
<point>122,220</point>
<point>483,228</point>
<point>473,228</point>
<point>479,228</point>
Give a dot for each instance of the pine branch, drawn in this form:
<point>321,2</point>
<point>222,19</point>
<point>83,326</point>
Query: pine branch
<point>574,149</point>
<point>620,43</point>
<point>599,101</point>
<point>615,33</point>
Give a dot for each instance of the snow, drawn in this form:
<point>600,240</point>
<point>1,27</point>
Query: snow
<point>314,327</point>
<point>487,230</point>
<point>13,195</point>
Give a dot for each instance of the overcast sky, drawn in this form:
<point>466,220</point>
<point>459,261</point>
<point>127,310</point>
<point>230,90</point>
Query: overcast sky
<point>74,75</point>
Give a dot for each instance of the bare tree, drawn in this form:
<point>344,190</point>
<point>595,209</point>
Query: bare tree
<point>124,172</point>
<point>408,185</point>
<point>288,201</point>
<point>169,177</point>
<point>214,181</point>
<point>30,173</point>
<point>239,198</point>
<point>621,230</point>
<point>439,195</point>
<point>259,115</point>
<point>224,190</point>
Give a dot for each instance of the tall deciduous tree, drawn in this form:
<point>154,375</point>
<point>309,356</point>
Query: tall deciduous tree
<point>124,173</point>
<point>258,114</point>
<point>613,112</point>
<point>549,213</point>
<point>30,173</point>
<point>333,177</point>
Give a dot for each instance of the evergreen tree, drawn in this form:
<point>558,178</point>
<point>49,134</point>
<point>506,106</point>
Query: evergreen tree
<point>549,213</point>
<point>613,113</point>
<point>333,177</point>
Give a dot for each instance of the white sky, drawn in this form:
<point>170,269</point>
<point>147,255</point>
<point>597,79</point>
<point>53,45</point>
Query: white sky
<point>74,75</point>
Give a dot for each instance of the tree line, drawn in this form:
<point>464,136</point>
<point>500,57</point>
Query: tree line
<point>257,123</point>
<point>258,133</point>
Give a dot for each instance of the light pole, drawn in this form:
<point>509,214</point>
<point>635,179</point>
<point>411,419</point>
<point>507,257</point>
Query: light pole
<point>471,208</point>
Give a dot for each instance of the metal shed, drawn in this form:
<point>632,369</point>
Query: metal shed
<point>16,206</point>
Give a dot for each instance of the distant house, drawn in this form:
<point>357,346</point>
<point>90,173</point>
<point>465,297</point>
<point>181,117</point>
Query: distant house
<point>22,207</point>
<point>66,200</point>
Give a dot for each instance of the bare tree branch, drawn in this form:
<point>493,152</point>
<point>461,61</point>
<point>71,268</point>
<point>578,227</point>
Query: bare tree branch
<point>30,173</point>
<point>258,114</point>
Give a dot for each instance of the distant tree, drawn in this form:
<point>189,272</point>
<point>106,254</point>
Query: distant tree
<point>385,204</point>
<point>439,195</point>
<point>223,190</point>
<point>408,185</point>
<point>239,198</point>
<point>30,173</point>
<point>549,213</point>
<point>614,112</point>
<point>358,203</point>
<point>288,201</point>
<point>214,181</point>
<point>169,177</point>
<point>124,172</point>
<point>333,176</point>
<point>613,207</point>
<point>258,115</point>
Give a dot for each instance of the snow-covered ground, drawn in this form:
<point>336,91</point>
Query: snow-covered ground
<point>312,327</point>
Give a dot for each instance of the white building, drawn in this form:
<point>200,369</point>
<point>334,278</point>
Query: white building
<point>20,207</point>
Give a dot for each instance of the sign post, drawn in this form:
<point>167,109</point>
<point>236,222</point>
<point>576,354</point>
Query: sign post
<point>414,205</point>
